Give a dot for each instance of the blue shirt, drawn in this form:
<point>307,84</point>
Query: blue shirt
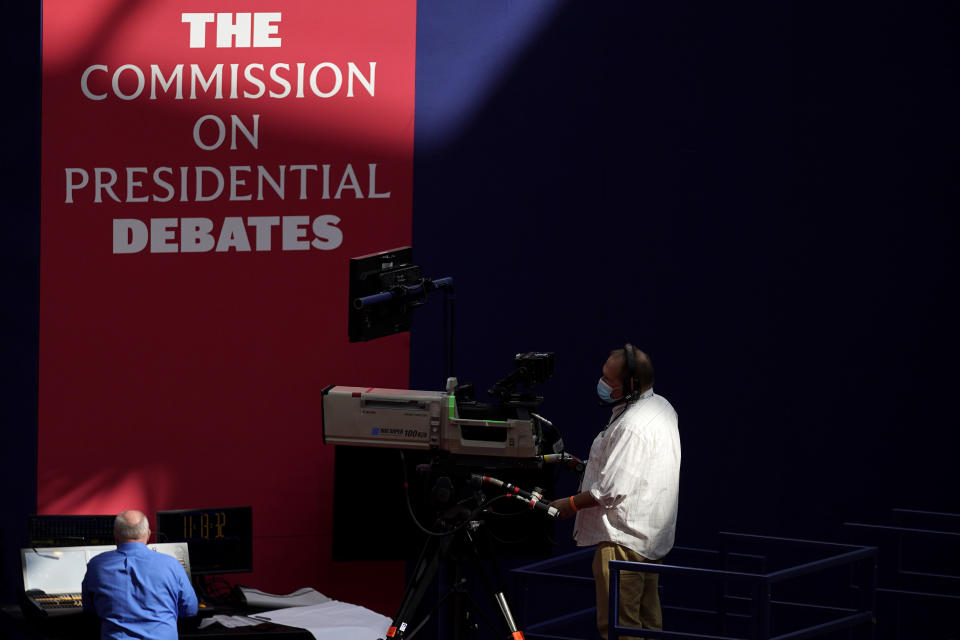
<point>137,593</point>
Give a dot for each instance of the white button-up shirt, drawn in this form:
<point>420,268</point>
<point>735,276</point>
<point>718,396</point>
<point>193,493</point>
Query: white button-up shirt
<point>634,473</point>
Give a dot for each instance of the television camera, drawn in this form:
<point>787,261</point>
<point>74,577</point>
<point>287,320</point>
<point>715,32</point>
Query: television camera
<point>450,421</point>
<point>453,439</point>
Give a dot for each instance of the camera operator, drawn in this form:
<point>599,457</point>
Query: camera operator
<point>628,503</point>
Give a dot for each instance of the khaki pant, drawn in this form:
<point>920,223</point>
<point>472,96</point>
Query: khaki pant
<point>639,601</point>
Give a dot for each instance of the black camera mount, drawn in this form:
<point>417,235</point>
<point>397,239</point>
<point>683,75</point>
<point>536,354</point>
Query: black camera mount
<point>464,548</point>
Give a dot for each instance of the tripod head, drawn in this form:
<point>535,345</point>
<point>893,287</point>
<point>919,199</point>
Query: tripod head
<point>453,510</point>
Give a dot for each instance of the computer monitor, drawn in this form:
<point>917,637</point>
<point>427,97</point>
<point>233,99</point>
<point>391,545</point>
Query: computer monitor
<point>374,274</point>
<point>220,540</point>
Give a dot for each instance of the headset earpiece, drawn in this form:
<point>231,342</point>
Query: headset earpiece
<point>631,382</point>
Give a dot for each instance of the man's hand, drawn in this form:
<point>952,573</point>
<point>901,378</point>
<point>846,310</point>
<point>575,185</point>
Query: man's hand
<point>582,500</point>
<point>563,506</point>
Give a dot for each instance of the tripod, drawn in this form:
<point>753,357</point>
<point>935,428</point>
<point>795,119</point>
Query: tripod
<point>467,544</point>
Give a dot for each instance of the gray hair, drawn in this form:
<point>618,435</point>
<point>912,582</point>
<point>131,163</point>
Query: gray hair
<point>124,529</point>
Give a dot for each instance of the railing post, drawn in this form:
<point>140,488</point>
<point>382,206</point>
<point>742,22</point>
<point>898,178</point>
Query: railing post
<point>722,589</point>
<point>870,594</point>
<point>761,610</point>
<point>613,603</point>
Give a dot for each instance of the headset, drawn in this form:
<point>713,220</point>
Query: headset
<point>632,381</point>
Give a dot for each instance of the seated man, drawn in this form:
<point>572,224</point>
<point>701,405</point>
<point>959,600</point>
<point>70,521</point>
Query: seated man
<point>135,591</point>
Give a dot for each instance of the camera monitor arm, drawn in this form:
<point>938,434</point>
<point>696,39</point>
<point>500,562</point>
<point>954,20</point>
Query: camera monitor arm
<point>401,292</point>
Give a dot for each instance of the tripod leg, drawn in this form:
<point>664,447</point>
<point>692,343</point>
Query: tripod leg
<point>423,576</point>
<point>485,559</point>
<point>507,616</point>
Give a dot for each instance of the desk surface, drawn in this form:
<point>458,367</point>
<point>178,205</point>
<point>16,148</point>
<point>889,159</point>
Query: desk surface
<point>86,627</point>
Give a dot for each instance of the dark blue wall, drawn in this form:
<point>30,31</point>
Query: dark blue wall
<point>762,197</point>
<point>19,278</point>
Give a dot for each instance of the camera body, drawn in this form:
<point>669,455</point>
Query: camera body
<point>448,421</point>
<point>427,421</point>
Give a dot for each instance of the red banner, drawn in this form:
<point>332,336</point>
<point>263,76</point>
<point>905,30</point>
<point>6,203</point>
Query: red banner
<point>208,171</point>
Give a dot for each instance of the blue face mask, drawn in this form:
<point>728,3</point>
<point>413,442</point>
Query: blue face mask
<point>605,392</point>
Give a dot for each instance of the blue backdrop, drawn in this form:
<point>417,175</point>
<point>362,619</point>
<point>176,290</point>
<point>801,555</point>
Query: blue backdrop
<point>761,196</point>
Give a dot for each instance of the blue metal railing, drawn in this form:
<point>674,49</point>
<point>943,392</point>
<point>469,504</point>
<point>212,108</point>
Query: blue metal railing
<point>758,584</point>
<point>909,590</point>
